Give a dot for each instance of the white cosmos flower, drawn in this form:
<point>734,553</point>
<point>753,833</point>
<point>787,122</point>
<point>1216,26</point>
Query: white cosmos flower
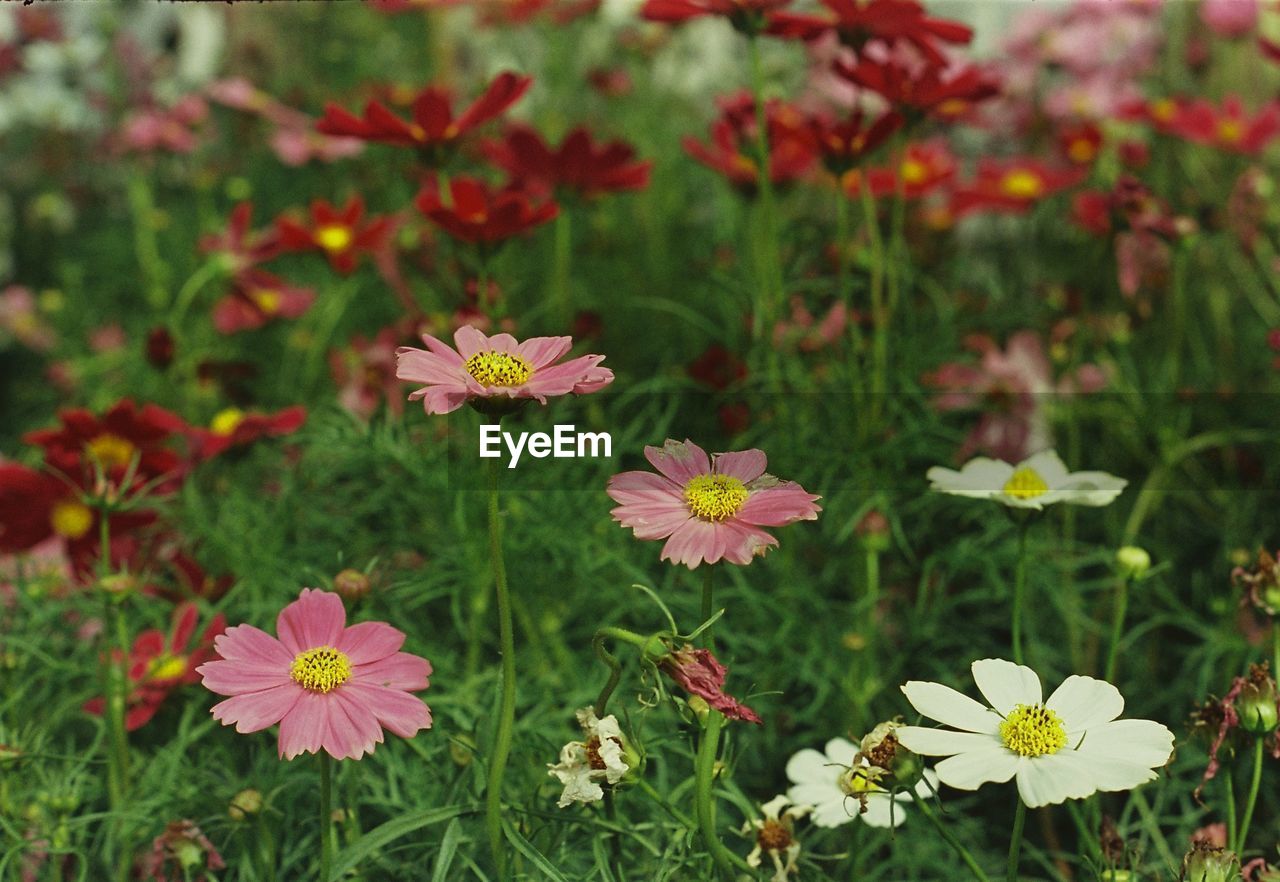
<point>1065,748</point>
<point>584,764</point>
<point>838,789</point>
<point>1033,483</point>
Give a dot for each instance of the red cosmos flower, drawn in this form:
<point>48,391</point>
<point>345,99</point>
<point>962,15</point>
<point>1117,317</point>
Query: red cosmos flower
<point>843,144</point>
<point>717,368</point>
<point>584,168</point>
<point>477,213</point>
<point>337,232</point>
<point>925,166</point>
<point>922,91</point>
<point>732,151</point>
<point>699,673</point>
<point>1081,143</point>
<point>747,16</point>
<point>1012,186</point>
<point>434,127</point>
<point>235,428</point>
<point>257,297</point>
<point>85,443</point>
<point>1230,127</point>
<point>890,21</point>
<point>239,245</point>
<point>158,665</point>
<point>517,12</point>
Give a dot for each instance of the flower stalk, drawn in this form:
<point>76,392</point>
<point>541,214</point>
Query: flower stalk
<point>769,261</point>
<point>507,707</point>
<point>949,837</point>
<point>1242,834</point>
<point>1020,590</point>
<point>1015,841</point>
<point>326,816</point>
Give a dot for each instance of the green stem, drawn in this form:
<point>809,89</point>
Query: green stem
<point>507,711</point>
<point>770,287</point>
<point>1117,628</point>
<point>615,672</point>
<point>1243,835</point>
<point>208,271</point>
<point>879,339</point>
<point>704,804</point>
<point>560,268</point>
<point>326,816</point>
<point>956,845</point>
<point>1229,784</point>
<point>1015,841</point>
<point>153,269</point>
<point>1019,589</point>
<point>708,605</point>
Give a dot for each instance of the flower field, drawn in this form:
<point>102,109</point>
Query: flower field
<point>640,441</point>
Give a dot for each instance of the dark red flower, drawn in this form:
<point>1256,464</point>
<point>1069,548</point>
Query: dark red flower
<point>717,368</point>
<point>433,125</point>
<point>477,213</point>
<point>1080,144</point>
<point>747,16</point>
<point>580,166</point>
<point>922,90</point>
<point>235,428</point>
<point>699,673</point>
<point>1229,127</point>
<point>84,444</point>
<point>925,167</point>
<point>160,663</point>
<point>890,21</point>
<point>336,232</point>
<point>160,347</point>
<point>1091,211</point>
<point>733,148</point>
<point>843,144</point>
<point>257,297</point>
<point>239,245</point>
<point>1012,186</point>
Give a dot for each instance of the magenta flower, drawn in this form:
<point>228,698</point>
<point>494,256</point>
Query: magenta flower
<point>484,367</point>
<point>329,687</point>
<point>708,508</point>
<point>699,673</point>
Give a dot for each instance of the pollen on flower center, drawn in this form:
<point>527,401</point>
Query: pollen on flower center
<point>1022,184</point>
<point>773,836</point>
<point>1025,483</point>
<point>1033,730</point>
<point>499,369</point>
<point>322,669</point>
<point>715,497</point>
<point>71,519</point>
<point>333,237</point>
<point>855,781</point>
<point>111,451</point>
<point>166,667</point>
<point>225,422</point>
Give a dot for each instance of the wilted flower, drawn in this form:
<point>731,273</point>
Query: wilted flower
<point>775,836</point>
<point>700,673</point>
<point>183,850</point>
<point>844,783</point>
<point>599,757</point>
<point>1261,583</point>
<point>1205,863</point>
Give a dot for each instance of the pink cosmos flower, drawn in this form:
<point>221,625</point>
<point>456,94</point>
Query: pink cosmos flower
<point>484,367</point>
<point>708,508</point>
<point>700,673</point>
<point>1230,18</point>
<point>329,687</point>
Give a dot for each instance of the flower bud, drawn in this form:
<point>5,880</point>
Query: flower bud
<point>1205,863</point>
<point>351,585</point>
<point>160,347</point>
<point>1257,704</point>
<point>900,768</point>
<point>246,802</point>
<point>1116,876</point>
<point>700,708</point>
<point>118,586</point>
<point>873,531</point>
<point>1132,562</point>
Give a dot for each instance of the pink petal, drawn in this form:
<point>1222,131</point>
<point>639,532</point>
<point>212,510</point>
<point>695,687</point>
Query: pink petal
<point>778,506</point>
<point>303,728</point>
<point>679,461</point>
<point>370,641</point>
<point>543,351</point>
<point>237,677</point>
<point>502,343</point>
<point>397,711</point>
<point>418,366</point>
<point>255,711</point>
<point>443,350</point>
<point>441,399</point>
<point>315,619</point>
<point>692,543</point>
<point>353,728</point>
<point>249,644</point>
<point>643,486</point>
<point>399,671</point>
<point>469,341</point>
<point>745,465</point>
<point>743,543</point>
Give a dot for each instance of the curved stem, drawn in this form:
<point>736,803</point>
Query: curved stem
<point>507,709</point>
<point>704,804</point>
<point>326,816</point>
<point>615,672</point>
<point>1252,799</point>
<point>1019,589</point>
<point>1015,841</point>
<point>1121,603</point>
<point>964,853</point>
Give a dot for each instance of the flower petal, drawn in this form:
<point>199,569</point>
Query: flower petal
<point>1145,742</point>
<point>679,461</point>
<point>943,742</point>
<point>1048,780</point>
<point>254,711</point>
<point>369,642</point>
<point>808,766</point>
<point>236,678</point>
<point>969,771</point>
<point>1083,702</point>
<point>303,728</point>
<point>1006,685</point>
<point>400,670</point>
<point>252,645</point>
<point>745,465</point>
<point>946,705</point>
<point>316,618</point>
<point>841,751</point>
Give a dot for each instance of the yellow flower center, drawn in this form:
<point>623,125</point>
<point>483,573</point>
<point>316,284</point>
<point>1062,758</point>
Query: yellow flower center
<point>322,669</point>
<point>1230,131</point>
<point>1082,150</point>
<point>1022,184</point>
<point>499,369</point>
<point>266,300</point>
<point>167,667</point>
<point>856,781</point>
<point>334,237</point>
<point>1033,730</point>
<point>71,519</point>
<point>227,421</point>
<point>914,171</point>
<point>111,451</point>
<point>1025,483</point>
<point>1163,109</point>
<point>715,497</point>
<point>953,107</point>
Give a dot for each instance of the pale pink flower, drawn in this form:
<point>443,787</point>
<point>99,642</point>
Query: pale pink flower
<point>330,687</point>
<point>1230,18</point>
<point>497,367</point>
<point>708,508</point>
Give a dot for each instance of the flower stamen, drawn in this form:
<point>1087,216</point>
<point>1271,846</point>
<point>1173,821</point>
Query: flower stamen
<point>1033,730</point>
<point>499,369</point>
<point>715,497</point>
<point>322,669</point>
<point>1025,483</point>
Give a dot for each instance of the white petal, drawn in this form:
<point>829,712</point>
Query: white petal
<point>834,812</point>
<point>1006,685</point>
<point>1112,775</point>
<point>810,767</point>
<point>773,808</point>
<point>969,771</point>
<point>1048,465</point>
<point>944,742</point>
<point>946,705</point>
<point>927,787</point>
<point>1048,780</point>
<point>1083,702</point>
<point>816,794</point>
<point>882,812</point>
<point>840,751</point>
<point>1092,488</point>
<point>979,477</point>
<point>1142,742</point>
